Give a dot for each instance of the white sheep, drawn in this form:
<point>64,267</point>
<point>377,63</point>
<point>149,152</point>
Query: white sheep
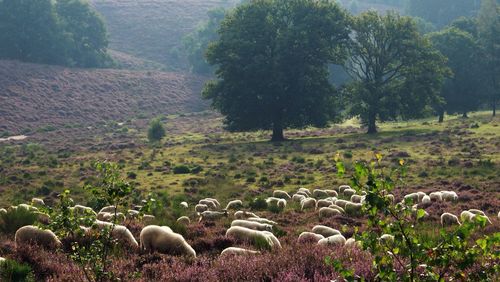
<point>252,225</point>
<point>421,195</point>
<point>357,198</point>
<point>467,216</point>
<point>118,232</point>
<point>477,212</point>
<point>163,240</point>
<point>184,220</point>
<point>261,220</point>
<point>82,210</point>
<point>298,197</point>
<point>331,193</point>
<point>308,203</point>
<point>353,208</point>
<point>341,203</point>
<point>328,212</point>
<point>215,201</point>
<point>42,217</point>
<point>244,214</point>
<point>234,204</point>
<point>280,203</point>
<point>3,211</point>
<point>341,188</point>
<point>250,235</point>
<point>413,197</point>
<point>325,230</point>
<point>2,260</point>
<point>33,234</point>
<point>449,196</point>
<point>334,206</point>
<point>426,200</point>
<point>449,219</point>
<point>237,251</point>
<point>211,204</point>
<point>184,205</point>
<point>323,203</point>
<point>303,194</point>
<point>498,215</point>
<point>305,190</point>
<point>37,202</point>
<point>349,192</point>
<point>212,215</point>
<point>199,208</point>
<point>281,194</point>
<point>110,209</point>
<point>386,239</point>
<point>390,197</point>
<point>274,239</point>
<point>27,207</point>
<point>133,214</point>
<point>320,193</point>
<point>436,196</point>
<point>337,239</point>
<point>309,236</point>
<point>351,242</point>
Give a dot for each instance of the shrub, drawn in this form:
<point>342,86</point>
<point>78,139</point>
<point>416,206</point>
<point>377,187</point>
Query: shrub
<point>298,159</point>
<point>15,219</point>
<point>155,131</point>
<point>11,270</point>
<point>258,204</point>
<point>181,169</point>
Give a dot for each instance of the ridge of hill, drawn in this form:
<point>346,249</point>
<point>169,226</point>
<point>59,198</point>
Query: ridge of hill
<point>40,97</point>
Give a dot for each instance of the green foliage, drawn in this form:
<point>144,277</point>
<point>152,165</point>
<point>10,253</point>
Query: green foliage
<point>66,32</point>
<point>11,270</point>
<point>442,12</point>
<point>156,131</point>
<point>272,71</point>
<point>396,71</point>
<point>14,219</point>
<point>258,204</point>
<point>454,255</point>
<point>181,169</point>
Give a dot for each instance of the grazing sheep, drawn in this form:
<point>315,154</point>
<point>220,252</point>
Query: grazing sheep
<point>298,197</point>
<point>308,203</point>
<point>280,203</point>
<point>477,212</point>
<point>319,193</point>
<point>184,220</point>
<point>337,239</point>
<point>325,230</point>
<point>390,197</point>
<point>328,212</point>
<point>498,215</point>
<point>37,202</point>
<point>252,225</point>
<point>27,207</point>
<point>133,214</point>
<point>244,214</point>
<point>250,235</point>
<point>353,208</point>
<point>303,194</point>
<point>341,188</point>
<point>199,208</point>
<point>349,192</point>
<point>106,216</point>
<point>323,203</point>
<point>334,206</point>
<point>436,196</point>
<point>147,218</point>
<point>386,239</point>
<point>2,260</point>
<point>82,210</point>
<point>33,234</point>
<point>212,215</point>
<point>109,209</point>
<point>357,198</point>
<point>351,242</point>
<point>210,204</point>
<point>234,204</point>
<point>215,201</point>
<point>467,216</point>
<point>3,211</point>
<point>341,203</point>
<point>281,194</point>
<point>184,205</point>
<point>413,197</point>
<point>119,232</point>
<point>426,200</point>
<point>304,190</point>
<point>276,242</point>
<point>449,219</point>
<point>331,193</point>
<point>310,237</point>
<point>449,196</point>
<point>262,220</point>
<point>42,217</point>
<point>421,195</point>
<point>163,240</point>
<point>237,251</point>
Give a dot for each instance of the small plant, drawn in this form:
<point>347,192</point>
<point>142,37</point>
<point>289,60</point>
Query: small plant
<point>11,270</point>
<point>156,131</point>
<point>181,169</point>
<point>14,219</point>
<point>258,204</point>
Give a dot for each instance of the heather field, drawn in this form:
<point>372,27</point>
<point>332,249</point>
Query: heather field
<point>198,159</point>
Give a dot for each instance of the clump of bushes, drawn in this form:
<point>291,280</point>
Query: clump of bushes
<point>185,169</point>
<point>156,131</point>
<point>11,270</point>
<point>15,219</point>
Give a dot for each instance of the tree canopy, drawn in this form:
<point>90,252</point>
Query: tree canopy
<point>396,71</point>
<point>272,64</point>
<point>64,32</point>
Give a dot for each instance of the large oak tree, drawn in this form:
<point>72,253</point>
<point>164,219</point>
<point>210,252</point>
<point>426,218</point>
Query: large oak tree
<point>272,61</point>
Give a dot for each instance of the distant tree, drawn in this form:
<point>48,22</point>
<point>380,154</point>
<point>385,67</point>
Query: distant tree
<point>396,71</point>
<point>87,44</point>
<point>156,131</point>
<point>442,12</point>
<point>462,91</point>
<point>272,64</point>
<point>489,39</point>
<point>196,43</point>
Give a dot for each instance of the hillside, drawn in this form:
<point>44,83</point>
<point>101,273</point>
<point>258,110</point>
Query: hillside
<point>153,29</point>
<point>39,97</point>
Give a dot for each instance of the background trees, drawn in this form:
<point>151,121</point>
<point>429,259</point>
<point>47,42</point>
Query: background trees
<point>272,64</point>
<point>396,71</point>
<point>66,32</point>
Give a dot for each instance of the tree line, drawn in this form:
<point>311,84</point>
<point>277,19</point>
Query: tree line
<point>272,61</point>
<point>62,32</point>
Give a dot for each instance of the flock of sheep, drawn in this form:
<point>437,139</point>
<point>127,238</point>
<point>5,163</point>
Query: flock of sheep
<point>245,226</point>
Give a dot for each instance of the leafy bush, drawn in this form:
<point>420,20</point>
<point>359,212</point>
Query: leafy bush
<point>156,131</point>
<point>15,219</point>
<point>11,270</point>
<point>258,204</point>
<point>181,169</point>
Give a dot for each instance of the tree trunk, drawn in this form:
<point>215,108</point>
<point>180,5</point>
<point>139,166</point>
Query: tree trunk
<point>464,115</point>
<point>494,108</point>
<point>277,132</point>
<point>441,116</point>
<point>372,128</point>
